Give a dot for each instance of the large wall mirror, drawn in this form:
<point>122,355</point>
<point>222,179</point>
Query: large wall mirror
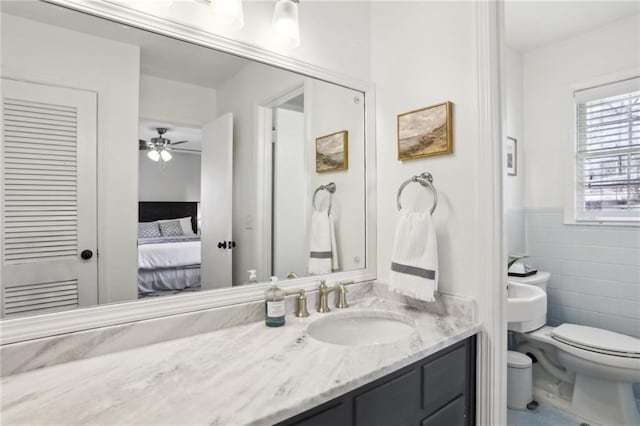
<point>138,166</point>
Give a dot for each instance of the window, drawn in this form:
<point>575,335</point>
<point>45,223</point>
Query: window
<point>608,152</point>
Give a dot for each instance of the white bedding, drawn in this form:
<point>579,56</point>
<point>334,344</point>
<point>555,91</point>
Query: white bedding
<point>169,255</point>
<point>168,281</point>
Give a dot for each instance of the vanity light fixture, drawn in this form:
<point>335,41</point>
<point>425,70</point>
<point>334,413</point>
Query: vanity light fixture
<point>231,11</point>
<point>286,28</point>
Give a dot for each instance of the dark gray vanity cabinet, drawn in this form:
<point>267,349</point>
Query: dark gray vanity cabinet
<point>436,391</point>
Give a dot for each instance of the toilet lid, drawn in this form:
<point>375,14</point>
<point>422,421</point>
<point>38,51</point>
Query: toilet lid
<point>597,339</point>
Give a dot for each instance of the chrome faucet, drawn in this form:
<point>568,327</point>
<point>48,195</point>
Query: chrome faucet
<point>323,296</point>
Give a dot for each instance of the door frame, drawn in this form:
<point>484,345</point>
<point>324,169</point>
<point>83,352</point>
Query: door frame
<point>263,215</point>
<point>491,387</point>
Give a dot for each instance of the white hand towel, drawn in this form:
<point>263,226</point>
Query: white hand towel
<point>323,255</point>
<point>414,261</point>
<point>334,247</point>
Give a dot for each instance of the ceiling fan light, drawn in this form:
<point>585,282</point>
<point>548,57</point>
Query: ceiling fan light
<point>285,25</point>
<point>231,12</point>
<point>166,155</point>
<point>153,155</point>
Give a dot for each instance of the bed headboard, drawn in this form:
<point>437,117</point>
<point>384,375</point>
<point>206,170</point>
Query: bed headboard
<point>149,211</point>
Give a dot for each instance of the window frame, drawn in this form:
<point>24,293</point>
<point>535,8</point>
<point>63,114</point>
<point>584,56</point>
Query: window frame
<point>574,214</point>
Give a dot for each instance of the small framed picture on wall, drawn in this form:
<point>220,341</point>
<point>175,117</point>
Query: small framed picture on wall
<point>332,152</point>
<point>425,132</point>
<point>511,156</point>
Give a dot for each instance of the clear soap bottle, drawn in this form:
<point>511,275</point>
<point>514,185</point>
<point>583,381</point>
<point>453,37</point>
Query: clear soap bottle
<point>274,305</point>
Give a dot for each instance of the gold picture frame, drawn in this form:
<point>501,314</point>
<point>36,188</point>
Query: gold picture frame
<point>332,152</point>
<point>425,132</point>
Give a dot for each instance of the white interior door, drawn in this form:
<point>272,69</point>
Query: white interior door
<point>49,204</point>
<point>216,202</point>
<point>289,195</point>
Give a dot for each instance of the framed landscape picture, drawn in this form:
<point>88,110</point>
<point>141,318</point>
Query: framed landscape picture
<point>425,132</point>
<point>332,152</point>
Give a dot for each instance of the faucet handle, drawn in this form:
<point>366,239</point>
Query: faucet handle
<point>341,297</point>
<point>301,305</point>
<point>301,302</point>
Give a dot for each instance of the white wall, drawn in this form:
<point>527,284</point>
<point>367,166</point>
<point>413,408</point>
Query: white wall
<point>549,74</point>
<point>175,180</point>
<point>595,270</point>
<point>52,55</point>
<point>422,54</point>
<point>329,109</point>
<point>514,185</point>
<point>176,102</point>
<point>254,85</point>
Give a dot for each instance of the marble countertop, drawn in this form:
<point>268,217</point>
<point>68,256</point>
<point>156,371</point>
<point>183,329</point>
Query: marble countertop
<point>248,374</point>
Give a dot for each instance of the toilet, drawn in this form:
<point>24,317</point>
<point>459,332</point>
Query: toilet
<point>601,364</point>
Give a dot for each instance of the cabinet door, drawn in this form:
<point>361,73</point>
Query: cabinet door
<point>337,415</point>
<point>453,414</point>
<point>396,402</point>
<point>444,379</point>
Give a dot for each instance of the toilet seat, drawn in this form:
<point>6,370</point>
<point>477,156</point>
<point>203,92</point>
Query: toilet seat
<point>597,340</point>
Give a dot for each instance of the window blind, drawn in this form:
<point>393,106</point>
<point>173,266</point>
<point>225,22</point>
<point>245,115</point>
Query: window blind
<point>608,151</point>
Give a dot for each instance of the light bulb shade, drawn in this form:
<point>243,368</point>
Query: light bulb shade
<point>231,13</point>
<point>153,155</point>
<point>166,155</point>
<point>285,25</point>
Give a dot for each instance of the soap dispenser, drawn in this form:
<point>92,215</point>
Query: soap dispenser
<point>274,305</point>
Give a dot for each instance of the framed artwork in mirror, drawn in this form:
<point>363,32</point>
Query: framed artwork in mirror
<point>425,132</point>
<point>511,156</point>
<point>332,152</point>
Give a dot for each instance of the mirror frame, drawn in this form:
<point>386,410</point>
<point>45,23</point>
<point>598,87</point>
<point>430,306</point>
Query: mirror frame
<point>39,326</point>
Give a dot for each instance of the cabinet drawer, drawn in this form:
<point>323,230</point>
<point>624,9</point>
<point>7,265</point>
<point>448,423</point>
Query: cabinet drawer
<point>452,414</point>
<point>444,378</point>
<point>337,415</point>
<point>396,402</point>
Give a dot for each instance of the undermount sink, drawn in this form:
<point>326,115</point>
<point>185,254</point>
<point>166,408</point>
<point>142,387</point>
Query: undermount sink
<point>526,307</point>
<point>362,328</point>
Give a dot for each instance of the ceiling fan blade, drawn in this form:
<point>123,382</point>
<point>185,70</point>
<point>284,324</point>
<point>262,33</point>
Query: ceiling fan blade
<point>178,143</point>
<point>142,144</point>
<point>186,150</point>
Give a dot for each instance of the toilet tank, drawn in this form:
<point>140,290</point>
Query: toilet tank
<point>539,279</point>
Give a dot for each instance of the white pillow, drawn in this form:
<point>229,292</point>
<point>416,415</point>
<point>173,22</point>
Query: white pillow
<point>185,224</point>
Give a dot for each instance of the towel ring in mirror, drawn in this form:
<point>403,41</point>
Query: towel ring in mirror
<point>426,180</point>
<point>330,188</point>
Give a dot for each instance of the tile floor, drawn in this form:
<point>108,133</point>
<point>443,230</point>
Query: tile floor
<point>544,415</point>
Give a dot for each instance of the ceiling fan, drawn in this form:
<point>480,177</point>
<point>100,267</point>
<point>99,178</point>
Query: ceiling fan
<point>158,148</point>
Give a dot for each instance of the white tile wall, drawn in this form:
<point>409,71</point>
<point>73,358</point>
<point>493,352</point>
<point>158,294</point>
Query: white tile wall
<point>595,271</point>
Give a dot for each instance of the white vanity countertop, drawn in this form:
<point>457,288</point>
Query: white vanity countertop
<point>249,374</point>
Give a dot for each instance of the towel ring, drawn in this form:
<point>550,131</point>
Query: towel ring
<point>330,188</point>
<point>426,180</point>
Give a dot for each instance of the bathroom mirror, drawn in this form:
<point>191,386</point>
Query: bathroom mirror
<point>138,166</point>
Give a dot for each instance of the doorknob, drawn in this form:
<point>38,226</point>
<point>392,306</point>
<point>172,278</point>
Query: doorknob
<point>86,254</point>
<point>222,244</point>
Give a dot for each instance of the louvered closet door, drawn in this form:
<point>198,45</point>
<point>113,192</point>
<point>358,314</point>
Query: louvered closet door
<point>48,198</point>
